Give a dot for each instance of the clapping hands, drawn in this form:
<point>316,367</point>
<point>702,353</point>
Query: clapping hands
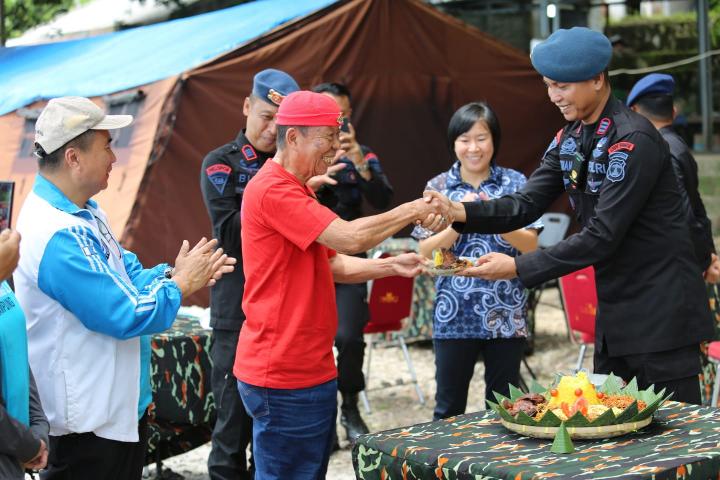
<point>200,266</point>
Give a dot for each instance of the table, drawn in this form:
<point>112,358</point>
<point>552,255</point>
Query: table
<point>682,442</point>
<point>421,320</point>
<point>183,410</point>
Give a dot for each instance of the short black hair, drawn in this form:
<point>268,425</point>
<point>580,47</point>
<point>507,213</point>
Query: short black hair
<point>50,161</point>
<point>333,88</point>
<point>657,106</point>
<point>464,119</point>
<point>281,130</point>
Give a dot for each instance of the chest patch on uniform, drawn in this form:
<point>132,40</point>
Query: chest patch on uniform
<point>249,153</point>
<point>603,126</point>
<point>218,175</point>
<point>568,147</point>
<point>621,146</point>
<point>599,148</point>
<point>616,166</point>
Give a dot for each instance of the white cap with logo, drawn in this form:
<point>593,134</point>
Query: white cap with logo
<point>65,118</point>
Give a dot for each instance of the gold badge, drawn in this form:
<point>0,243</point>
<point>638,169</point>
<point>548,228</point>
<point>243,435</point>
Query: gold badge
<point>275,97</point>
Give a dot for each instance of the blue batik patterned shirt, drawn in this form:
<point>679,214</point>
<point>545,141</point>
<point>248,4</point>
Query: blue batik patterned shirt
<point>471,307</point>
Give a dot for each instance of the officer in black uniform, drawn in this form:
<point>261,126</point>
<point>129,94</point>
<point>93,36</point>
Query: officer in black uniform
<point>360,178</point>
<point>652,97</point>
<point>224,175</point>
<point>652,307</point>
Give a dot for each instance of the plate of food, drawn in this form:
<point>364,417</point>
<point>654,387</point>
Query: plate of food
<point>587,411</point>
<point>446,262</point>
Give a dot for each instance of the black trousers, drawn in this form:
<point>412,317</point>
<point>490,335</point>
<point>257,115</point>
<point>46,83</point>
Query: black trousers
<point>353,315</point>
<point>455,364</point>
<point>85,456</point>
<point>675,370</point>
<point>233,427</point>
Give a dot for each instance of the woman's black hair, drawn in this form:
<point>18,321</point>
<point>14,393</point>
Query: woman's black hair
<point>464,119</point>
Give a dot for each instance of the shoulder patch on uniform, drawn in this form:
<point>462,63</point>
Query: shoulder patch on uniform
<point>248,152</point>
<point>622,146</point>
<point>616,166</point>
<point>218,175</point>
<point>568,147</point>
<point>603,126</point>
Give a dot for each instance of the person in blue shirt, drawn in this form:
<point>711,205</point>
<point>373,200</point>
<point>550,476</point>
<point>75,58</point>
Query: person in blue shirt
<point>473,317</point>
<point>89,302</point>
<point>23,426</point>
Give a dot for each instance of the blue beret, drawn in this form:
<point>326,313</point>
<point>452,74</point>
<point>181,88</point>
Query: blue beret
<point>573,55</point>
<point>273,85</point>
<point>659,83</point>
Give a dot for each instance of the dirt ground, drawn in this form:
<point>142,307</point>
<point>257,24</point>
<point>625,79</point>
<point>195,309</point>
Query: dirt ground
<point>398,405</point>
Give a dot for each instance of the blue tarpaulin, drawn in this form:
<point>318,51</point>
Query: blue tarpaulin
<point>117,61</point>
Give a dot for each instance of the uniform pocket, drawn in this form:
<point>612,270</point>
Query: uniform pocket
<point>255,399</point>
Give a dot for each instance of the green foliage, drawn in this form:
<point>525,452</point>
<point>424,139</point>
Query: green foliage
<point>651,41</point>
<point>21,15</point>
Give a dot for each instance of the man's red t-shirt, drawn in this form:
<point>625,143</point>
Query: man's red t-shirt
<point>289,303</point>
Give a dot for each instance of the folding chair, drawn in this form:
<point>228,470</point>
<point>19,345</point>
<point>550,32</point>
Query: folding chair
<point>556,226</point>
<point>579,299</point>
<point>390,302</point>
<point>714,356</point>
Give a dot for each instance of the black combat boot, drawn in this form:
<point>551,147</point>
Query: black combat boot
<point>350,417</point>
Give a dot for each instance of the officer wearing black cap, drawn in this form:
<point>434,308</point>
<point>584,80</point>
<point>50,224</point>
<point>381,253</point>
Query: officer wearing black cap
<point>223,178</point>
<point>652,308</point>
<point>652,97</point>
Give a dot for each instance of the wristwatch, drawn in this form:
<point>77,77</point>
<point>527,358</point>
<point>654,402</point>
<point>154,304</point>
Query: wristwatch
<point>169,272</point>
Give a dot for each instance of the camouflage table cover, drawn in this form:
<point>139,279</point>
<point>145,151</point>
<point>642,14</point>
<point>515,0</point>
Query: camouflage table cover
<point>683,442</point>
<point>183,409</point>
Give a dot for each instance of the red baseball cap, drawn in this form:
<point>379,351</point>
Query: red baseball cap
<point>309,109</point>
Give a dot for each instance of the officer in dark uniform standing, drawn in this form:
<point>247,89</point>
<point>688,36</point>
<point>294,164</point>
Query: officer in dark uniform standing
<point>652,97</point>
<point>224,175</point>
<point>360,178</point>
<point>652,307</point>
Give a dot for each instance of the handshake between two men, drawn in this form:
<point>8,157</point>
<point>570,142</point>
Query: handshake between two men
<point>437,213</point>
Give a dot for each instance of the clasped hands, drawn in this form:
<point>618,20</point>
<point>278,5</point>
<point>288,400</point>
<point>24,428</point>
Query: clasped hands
<point>434,211</point>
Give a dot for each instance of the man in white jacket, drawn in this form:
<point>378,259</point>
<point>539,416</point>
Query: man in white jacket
<point>89,303</point>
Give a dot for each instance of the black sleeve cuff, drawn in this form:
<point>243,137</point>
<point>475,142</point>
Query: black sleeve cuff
<point>459,227</point>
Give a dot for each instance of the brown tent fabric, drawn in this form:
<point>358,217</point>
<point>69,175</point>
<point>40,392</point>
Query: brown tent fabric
<point>132,146</point>
<point>409,67</point>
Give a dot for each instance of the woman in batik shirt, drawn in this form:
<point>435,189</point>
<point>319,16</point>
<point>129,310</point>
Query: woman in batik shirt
<point>476,318</point>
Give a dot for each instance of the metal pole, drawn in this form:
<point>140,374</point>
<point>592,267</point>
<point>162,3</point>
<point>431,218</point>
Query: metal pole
<point>542,18</point>
<point>2,23</point>
<point>556,19</point>
<point>706,100</point>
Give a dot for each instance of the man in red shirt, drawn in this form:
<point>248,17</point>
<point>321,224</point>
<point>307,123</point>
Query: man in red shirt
<point>291,255</point>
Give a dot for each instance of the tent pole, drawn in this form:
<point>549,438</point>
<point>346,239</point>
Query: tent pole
<point>706,100</point>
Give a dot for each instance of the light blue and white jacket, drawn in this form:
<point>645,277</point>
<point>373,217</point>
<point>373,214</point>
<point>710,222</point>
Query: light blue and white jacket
<point>86,301</point>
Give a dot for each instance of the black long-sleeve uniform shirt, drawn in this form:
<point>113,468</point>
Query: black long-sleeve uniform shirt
<point>686,171</point>
<point>651,296</point>
<point>224,175</point>
<point>18,443</point>
<point>346,198</point>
